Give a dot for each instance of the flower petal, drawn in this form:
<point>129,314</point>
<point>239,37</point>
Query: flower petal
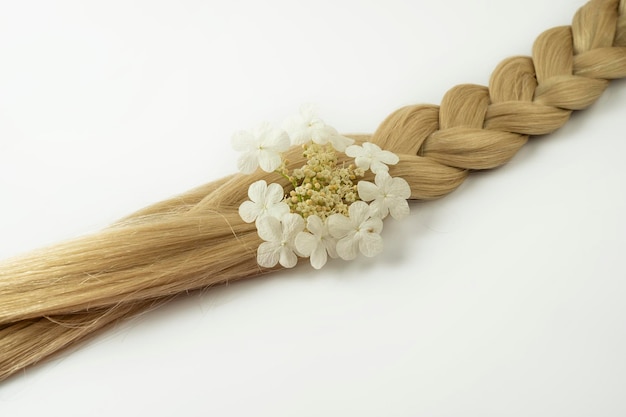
<point>347,248</point>
<point>377,166</point>
<point>400,188</point>
<point>243,141</point>
<point>292,224</point>
<point>257,190</point>
<point>371,148</point>
<point>269,160</point>
<point>274,193</point>
<point>399,209</point>
<point>320,135</point>
<point>388,157</point>
<point>367,191</point>
<point>295,129</point>
<point>319,257</point>
<point>269,229</point>
<point>288,259</point>
<point>306,243</point>
<point>299,137</point>
<point>378,208</point>
<point>248,211</point>
<point>315,225</point>
<point>261,131</point>
<point>354,151</point>
<point>363,162</point>
<point>277,210</point>
<point>308,112</point>
<point>359,211</point>
<point>339,225</point>
<point>383,180</point>
<point>370,244</point>
<point>331,246</point>
<point>340,142</point>
<point>248,162</point>
<point>268,254</point>
<point>373,224</point>
<point>275,139</point>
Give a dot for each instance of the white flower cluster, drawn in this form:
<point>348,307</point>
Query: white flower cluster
<point>325,214</point>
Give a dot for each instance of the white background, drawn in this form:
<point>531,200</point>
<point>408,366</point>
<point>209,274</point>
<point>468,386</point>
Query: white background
<point>504,298</point>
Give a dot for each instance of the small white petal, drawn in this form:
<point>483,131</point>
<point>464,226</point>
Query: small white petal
<point>363,162</point>
<point>388,157</point>
<point>268,254</point>
<point>400,209</point>
<point>376,166</point>
<point>242,141</point>
<point>308,111</point>
<point>321,135</point>
<point>379,209</point>
<point>288,259</point>
<point>354,151</point>
<point>257,191</point>
<point>373,225</point>
<point>269,160</point>
<point>298,133</point>
<point>347,248</point>
<point>371,148</point>
<point>277,210</point>
<point>292,224</point>
<point>367,191</point>
<point>359,211</point>
<point>269,229</point>
<point>383,179</point>
<point>248,211</point>
<point>306,243</point>
<point>400,188</point>
<point>274,193</point>
<point>248,162</point>
<point>300,137</point>
<point>370,244</point>
<point>339,225</point>
<point>261,132</point>
<point>319,257</point>
<point>331,247</point>
<point>340,142</point>
<point>276,140</point>
<point>315,225</point>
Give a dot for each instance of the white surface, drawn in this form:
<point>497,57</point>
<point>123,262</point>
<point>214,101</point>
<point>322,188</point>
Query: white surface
<point>504,298</point>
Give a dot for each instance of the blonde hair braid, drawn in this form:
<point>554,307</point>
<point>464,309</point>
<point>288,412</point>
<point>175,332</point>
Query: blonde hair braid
<point>52,298</point>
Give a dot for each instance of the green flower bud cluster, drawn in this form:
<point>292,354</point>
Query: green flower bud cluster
<point>322,186</point>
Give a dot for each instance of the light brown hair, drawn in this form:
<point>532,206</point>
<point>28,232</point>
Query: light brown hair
<point>55,297</point>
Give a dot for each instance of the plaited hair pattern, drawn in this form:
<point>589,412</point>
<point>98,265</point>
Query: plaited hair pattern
<point>55,297</point>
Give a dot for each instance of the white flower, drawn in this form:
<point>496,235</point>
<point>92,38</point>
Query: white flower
<point>279,236</point>
<point>266,201</point>
<point>338,141</point>
<point>307,127</point>
<point>359,232</point>
<point>317,242</point>
<point>389,195</point>
<point>260,147</point>
<point>370,156</point>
